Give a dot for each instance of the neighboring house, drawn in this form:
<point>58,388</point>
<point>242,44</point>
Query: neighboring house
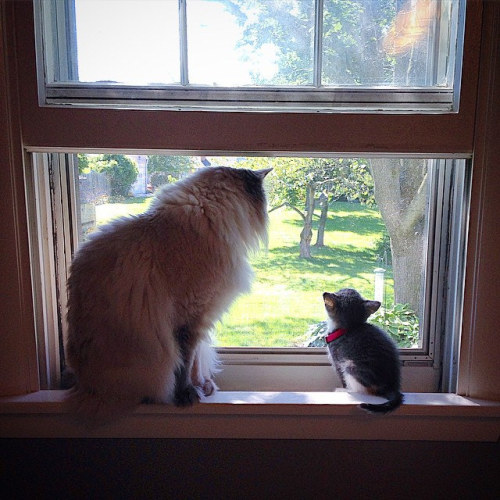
<point>139,188</point>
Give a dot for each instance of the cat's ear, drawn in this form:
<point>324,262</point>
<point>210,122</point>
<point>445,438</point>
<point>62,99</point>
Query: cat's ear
<point>329,299</point>
<point>371,306</point>
<point>262,173</point>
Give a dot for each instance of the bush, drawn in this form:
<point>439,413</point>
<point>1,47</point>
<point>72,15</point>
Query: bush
<point>165,169</point>
<point>400,322</point>
<point>120,171</point>
<point>158,179</point>
<point>315,335</point>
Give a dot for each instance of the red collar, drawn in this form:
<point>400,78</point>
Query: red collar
<point>335,335</point>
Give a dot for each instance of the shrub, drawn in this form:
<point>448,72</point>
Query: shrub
<point>158,179</point>
<point>400,322</point>
<point>120,170</point>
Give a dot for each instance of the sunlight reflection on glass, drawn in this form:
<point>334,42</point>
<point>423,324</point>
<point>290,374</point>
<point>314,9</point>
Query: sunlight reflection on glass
<point>410,26</point>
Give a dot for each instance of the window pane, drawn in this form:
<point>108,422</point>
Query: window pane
<point>132,42</point>
<point>368,230</point>
<point>250,43</point>
<point>252,55</point>
<point>386,42</point>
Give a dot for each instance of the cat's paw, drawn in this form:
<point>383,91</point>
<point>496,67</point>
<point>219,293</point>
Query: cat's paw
<point>186,396</point>
<point>209,387</point>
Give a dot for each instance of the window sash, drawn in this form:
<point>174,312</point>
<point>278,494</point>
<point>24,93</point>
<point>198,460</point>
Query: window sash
<point>57,56</point>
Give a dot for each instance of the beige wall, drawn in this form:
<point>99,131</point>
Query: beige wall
<point>249,469</point>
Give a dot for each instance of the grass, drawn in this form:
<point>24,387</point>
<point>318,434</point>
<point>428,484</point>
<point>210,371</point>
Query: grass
<point>287,292</point>
<point>286,296</point>
<point>128,206</point>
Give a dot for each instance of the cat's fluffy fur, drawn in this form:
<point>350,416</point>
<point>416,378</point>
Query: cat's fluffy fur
<point>146,291</point>
<point>364,356</point>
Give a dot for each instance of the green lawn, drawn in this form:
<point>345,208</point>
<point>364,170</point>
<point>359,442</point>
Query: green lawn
<point>129,206</point>
<point>286,296</point>
<point>287,292</point>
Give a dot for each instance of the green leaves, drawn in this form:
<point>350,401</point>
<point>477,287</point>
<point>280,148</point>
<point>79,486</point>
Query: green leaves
<point>163,169</point>
<point>338,178</point>
<point>400,322</point>
<point>120,170</point>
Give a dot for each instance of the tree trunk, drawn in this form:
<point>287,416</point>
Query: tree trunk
<point>408,269</point>
<point>401,195</point>
<point>306,233</point>
<point>320,238</point>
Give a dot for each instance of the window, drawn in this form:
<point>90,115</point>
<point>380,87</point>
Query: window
<point>471,132</point>
<point>393,228</point>
<point>295,55</point>
<point>367,57</point>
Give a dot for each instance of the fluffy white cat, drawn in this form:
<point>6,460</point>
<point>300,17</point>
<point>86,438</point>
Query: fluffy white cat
<point>146,291</point>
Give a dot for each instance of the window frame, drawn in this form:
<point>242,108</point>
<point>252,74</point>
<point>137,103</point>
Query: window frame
<point>184,96</point>
<point>473,130</point>
<point>52,191</point>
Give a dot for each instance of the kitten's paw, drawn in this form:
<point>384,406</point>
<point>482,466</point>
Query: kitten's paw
<point>186,396</point>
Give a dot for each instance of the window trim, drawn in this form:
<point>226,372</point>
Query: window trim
<point>264,415</point>
<point>187,97</point>
<point>473,130</point>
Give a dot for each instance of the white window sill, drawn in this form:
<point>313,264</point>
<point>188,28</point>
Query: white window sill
<point>267,415</point>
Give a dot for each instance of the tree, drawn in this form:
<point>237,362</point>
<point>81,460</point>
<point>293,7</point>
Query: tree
<point>362,45</point>
<point>296,182</point>
<point>348,179</point>
<point>120,170</point>
<point>401,194</point>
<point>354,32</point>
<point>163,169</point>
<point>83,163</point>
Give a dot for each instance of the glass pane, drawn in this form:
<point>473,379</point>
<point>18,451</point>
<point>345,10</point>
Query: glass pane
<point>254,42</point>
<point>234,43</point>
<point>132,42</point>
<point>334,223</point>
<point>395,43</point>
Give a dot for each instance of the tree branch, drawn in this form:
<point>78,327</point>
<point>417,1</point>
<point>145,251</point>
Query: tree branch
<point>293,207</point>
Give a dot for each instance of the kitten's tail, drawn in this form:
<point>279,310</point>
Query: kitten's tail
<point>386,407</point>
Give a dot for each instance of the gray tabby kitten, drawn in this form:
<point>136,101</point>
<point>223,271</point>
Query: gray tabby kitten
<point>146,291</point>
<point>365,357</point>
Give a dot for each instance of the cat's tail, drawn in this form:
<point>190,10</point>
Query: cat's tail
<point>93,410</point>
<point>386,407</point>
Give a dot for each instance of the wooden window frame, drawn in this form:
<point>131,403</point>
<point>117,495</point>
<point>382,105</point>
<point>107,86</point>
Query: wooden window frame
<point>474,130</point>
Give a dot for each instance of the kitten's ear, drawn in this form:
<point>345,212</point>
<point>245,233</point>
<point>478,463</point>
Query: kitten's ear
<point>371,306</point>
<point>329,299</point>
<point>262,173</point>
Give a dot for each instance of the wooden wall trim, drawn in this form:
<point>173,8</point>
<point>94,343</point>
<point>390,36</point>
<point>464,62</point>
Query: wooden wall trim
<point>479,367</point>
<point>18,362</point>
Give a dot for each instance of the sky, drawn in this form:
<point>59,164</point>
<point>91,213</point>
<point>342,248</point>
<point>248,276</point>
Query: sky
<point>137,42</point>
